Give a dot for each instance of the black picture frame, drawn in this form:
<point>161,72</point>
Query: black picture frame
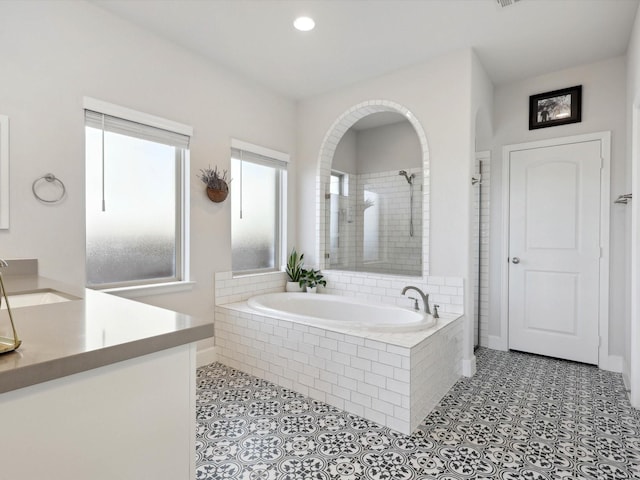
<point>558,107</point>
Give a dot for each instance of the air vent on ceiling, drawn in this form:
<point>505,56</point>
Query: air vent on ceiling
<point>506,3</point>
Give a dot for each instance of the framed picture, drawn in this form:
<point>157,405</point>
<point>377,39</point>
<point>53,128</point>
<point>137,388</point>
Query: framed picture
<point>555,108</point>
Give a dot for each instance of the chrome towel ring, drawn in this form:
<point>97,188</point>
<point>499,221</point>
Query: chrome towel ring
<point>51,178</point>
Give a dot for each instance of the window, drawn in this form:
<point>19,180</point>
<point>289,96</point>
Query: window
<point>135,205</point>
<point>339,184</point>
<point>258,198</point>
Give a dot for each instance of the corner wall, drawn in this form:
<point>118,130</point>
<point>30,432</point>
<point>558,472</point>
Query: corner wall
<point>631,355</point>
<point>481,120</point>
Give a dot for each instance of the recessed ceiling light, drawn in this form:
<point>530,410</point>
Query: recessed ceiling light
<point>304,24</point>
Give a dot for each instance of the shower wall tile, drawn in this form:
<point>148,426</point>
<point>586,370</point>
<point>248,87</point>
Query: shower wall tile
<point>481,230</point>
<point>388,246</point>
<point>230,289</point>
<point>448,292</point>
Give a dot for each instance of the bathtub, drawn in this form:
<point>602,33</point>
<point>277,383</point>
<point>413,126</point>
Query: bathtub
<point>388,364</point>
<point>327,311</point>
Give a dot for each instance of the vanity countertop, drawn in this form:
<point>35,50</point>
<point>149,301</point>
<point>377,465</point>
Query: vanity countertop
<point>97,329</point>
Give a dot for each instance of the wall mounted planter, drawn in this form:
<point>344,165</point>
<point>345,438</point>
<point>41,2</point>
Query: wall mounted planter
<point>218,195</point>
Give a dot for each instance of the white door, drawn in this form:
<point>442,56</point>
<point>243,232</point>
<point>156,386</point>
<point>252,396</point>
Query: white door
<point>554,250</point>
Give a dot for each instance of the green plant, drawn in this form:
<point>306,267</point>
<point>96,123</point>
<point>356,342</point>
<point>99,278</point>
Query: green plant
<point>213,179</point>
<point>294,266</point>
<point>312,278</point>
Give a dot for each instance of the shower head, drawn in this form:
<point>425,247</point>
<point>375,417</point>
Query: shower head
<point>408,177</point>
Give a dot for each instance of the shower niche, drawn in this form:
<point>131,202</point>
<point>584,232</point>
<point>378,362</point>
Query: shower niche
<point>374,205</point>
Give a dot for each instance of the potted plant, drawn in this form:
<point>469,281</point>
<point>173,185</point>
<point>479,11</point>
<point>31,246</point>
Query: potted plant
<point>217,183</point>
<point>311,279</point>
<point>294,271</point>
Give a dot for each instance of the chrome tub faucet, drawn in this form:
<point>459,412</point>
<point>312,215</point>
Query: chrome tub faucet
<point>425,298</point>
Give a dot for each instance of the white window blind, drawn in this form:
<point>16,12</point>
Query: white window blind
<point>248,156</point>
<point>133,129</point>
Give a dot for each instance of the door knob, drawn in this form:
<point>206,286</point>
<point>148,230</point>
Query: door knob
<point>515,260</point>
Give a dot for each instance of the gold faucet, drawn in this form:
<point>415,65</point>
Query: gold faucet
<point>7,344</point>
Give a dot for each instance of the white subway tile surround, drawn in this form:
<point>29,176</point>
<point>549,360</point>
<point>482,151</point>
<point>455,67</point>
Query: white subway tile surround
<point>392,378</point>
<point>390,249</point>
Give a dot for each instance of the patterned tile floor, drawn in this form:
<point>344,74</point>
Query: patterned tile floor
<point>520,417</point>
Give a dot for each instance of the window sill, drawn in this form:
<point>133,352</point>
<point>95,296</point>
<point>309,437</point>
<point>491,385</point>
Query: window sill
<point>255,273</point>
<point>146,290</point>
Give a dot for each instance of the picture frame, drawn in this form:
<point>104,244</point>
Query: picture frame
<point>558,107</point>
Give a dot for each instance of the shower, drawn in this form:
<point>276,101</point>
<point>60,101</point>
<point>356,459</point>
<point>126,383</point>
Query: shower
<point>409,179</point>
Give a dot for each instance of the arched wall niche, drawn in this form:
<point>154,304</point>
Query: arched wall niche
<point>327,150</point>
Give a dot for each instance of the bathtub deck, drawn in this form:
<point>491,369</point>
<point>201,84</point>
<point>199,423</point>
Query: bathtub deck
<point>394,379</point>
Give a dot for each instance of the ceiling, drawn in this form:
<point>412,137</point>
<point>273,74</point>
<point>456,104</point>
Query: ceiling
<point>356,40</point>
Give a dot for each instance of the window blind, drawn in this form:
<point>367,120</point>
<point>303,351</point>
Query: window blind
<point>248,156</point>
<point>134,129</point>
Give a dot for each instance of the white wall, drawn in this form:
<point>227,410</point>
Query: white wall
<point>54,53</point>
<point>603,108</point>
<point>346,155</point>
<point>631,357</point>
<point>442,107</point>
<point>384,148</point>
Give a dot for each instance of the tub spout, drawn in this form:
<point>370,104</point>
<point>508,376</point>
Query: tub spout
<point>425,297</point>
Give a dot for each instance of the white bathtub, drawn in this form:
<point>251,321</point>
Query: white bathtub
<point>321,310</point>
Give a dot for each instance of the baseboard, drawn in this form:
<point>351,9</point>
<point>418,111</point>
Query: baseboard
<point>469,366</point>
<point>497,343</point>
<point>612,363</point>
<point>626,381</point>
<point>206,356</point>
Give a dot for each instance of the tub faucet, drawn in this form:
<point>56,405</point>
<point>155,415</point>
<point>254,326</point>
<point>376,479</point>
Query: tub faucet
<point>3,263</point>
<point>425,297</point>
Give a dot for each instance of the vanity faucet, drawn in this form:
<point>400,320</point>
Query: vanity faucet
<point>425,297</point>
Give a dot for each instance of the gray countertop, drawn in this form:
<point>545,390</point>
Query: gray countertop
<point>97,329</point>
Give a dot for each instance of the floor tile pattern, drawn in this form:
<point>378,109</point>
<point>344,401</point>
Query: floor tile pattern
<point>520,417</point>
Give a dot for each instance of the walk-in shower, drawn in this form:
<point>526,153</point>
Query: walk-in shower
<point>410,181</point>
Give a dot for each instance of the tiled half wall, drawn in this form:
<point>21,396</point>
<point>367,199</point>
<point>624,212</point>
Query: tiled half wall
<point>448,292</point>
<point>391,385</point>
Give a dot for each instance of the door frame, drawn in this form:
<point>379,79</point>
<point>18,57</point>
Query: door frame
<point>604,361</point>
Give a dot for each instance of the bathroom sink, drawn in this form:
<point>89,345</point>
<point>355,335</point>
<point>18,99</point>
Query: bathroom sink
<point>39,297</point>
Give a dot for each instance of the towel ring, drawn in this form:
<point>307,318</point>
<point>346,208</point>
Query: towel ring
<point>49,177</point>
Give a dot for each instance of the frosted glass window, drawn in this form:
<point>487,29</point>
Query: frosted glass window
<point>339,184</point>
<point>257,217</point>
<point>371,227</point>
<point>133,222</point>
<point>334,186</point>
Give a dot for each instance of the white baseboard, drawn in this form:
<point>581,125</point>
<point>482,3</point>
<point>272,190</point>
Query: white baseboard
<point>497,343</point>
<point>206,356</point>
<point>612,363</point>
<point>627,382</point>
<point>469,366</point>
